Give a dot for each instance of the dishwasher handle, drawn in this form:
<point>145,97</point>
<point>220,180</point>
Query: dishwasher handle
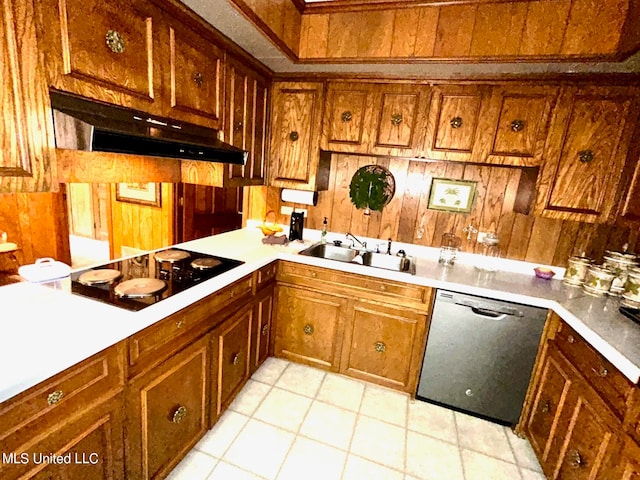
<point>485,312</point>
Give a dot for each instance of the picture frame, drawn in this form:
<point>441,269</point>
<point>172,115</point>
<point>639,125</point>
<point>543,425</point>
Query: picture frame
<point>140,193</point>
<point>452,195</point>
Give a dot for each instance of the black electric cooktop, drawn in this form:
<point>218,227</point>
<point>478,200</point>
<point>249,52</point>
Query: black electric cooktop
<point>137,282</point>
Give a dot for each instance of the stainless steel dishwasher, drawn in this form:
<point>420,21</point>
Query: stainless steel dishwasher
<point>480,353</point>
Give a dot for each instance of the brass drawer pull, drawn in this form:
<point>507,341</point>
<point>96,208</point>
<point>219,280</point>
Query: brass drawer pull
<point>571,339</point>
<point>180,323</point>
<point>232,293</point>
<point>265,329</point>
<point>346,116</point>
<point>199,79</point>
<point>314,274</point>
<point>546,407</point>
<point>115,41</point>
<point>602,371</point>
<point>54,397</point>
<point>517,125</point>
<point>235,359</point>
<point>237,126</point>
<point>383,287</point>
<point>586,156</point>
<point>380,347</point>
<point>396,119</point>
<point>575,459</point>
<point>456,122</point>
<point>308,329</point>
<point>179,414</point>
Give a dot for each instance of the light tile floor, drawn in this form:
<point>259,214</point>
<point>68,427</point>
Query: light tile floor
<point>292,422</point>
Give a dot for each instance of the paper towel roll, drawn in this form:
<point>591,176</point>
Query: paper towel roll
<point>299,196</point>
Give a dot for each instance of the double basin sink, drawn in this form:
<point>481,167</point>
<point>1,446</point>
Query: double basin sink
<point>370,259</point>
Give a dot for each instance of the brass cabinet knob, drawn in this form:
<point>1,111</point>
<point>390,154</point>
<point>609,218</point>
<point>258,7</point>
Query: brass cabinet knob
<point>346,116</point>
<point>383,287</point>
<point>180,323</point>
<point>456,122</point>
<point>198,79</point>
<point>575,459</point>
<point>586,156</point>
<point>546,407</point>
<point>265,329</point>
<point>602,371</point>
<point>396,119</point>
<point>571,339</point>
<point>293,136</point>
<point>235,359</point>
<point>308,329</point>
<point>380,347</point>
<point>517,125</point>
<point>115,41</point>
<point>54,397</point>
<point>179,414</point>
<point>237,126</point>
<point>314,274</point>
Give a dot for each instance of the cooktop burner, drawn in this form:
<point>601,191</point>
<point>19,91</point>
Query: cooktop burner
<point>137,282</point>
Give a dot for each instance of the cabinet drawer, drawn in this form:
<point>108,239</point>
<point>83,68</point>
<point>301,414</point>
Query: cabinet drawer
<point>76,388</point>
<point>361,284</point>
<point>160,340</point>
<point>265,275</point>
<point>610,384</point>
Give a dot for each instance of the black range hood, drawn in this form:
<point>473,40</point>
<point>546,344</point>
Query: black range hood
<point>82,124</point>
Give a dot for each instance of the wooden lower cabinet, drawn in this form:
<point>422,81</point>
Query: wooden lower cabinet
<point>573,432</point>
<point>262,327</point>
<point>309,326</point>
<point>381,343</point>
<point>230,353</point>
<point>167,412</point>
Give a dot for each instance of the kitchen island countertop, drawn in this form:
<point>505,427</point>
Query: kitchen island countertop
<point>45,331</point>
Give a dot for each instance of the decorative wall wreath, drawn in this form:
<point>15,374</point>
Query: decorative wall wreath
<point>372,188</point>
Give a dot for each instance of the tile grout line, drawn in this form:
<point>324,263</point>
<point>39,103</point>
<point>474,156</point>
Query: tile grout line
<point>455,422</point>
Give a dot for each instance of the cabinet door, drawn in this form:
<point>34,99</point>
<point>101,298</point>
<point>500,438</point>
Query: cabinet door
<point>589,138</point>
<point>107,51</point>
<point>381,344</point>
<point>452,127</point>
<point>25,125</point>
<point>296,123</point>
<point>194,78</point>
<point>347,118</point>
<point>167,412</point>
<point>630,465</point>
<point>263,314</point>
<point>231,358</point>
<point>398,118</point>
<point>309,327</point>
<point>549,402</point>
<point>517,125</point>
<point>245,125</point>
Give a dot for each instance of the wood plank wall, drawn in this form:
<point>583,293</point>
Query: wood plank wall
<point>141,226</point>
<point>537,28</point>
<point>406,218</point>
<point>37,222</point>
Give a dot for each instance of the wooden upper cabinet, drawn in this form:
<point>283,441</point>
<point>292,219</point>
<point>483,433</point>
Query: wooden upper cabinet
<point>398,117</point>
<point>295,134</point>
<point>245,124</point>
<point>589,139</point>
<point>347,117</point>
<point>194,77</point>
<point>514,129</point>
<point>26,131</point>
<point>453,121</point>
<point>107,51</point>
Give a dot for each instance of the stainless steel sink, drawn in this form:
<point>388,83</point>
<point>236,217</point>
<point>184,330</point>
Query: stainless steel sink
<point>389,262</point>
<point>369,259</point>
<point>330,252</point>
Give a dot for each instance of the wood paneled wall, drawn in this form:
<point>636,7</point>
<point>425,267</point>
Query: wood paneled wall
<point>406,218</point>
<point>37,222</point>
<point>140,226</point>
<point>534,29</point>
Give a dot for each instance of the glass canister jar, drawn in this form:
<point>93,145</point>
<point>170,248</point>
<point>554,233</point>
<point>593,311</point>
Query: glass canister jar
<point>598,280</point>
<point>449,248</point>
<point>576,270</point>
<point>490,252</point>
<point>620,264</point>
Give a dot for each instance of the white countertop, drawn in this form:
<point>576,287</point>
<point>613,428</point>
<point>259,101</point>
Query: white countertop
<point>45,331</point>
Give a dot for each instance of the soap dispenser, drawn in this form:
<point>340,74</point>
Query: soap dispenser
<point>323,234</point>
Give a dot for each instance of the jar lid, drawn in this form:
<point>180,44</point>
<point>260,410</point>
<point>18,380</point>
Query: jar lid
<point>578,259</point>
<point>620,259</point>
<point>601,270</point>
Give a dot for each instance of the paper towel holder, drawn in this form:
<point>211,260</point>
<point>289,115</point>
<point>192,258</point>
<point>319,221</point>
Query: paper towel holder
<point>303,197</point>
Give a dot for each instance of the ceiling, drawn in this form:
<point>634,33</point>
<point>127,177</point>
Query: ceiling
<point>225,18</point>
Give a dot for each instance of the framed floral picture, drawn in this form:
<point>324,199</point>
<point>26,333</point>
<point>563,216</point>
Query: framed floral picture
<point>141,193</point>
<point>450,195</point>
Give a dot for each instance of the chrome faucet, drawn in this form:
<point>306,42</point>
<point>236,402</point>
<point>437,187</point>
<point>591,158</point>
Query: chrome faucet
<point>354,240</point>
